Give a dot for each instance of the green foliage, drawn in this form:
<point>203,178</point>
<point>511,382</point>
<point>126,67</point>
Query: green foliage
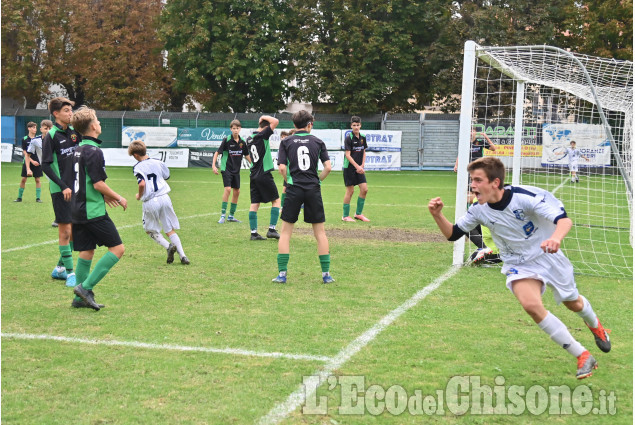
<point>232,53</point>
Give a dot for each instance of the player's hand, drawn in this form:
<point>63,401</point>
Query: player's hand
<point>67,194</point>
<point>29,173</point>
<point>35,163</point>
<point>215,169</point>
<point>360,170</point>
<point>111,202</point>
<point>124,203</point>
<point>455,167</point>
<point>137,197</point>
<point>435,206</point>
<point>550,246</point>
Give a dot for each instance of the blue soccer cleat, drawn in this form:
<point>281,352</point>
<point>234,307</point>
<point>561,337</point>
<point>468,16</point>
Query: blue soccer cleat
<point>59,273</point>
<point>70,280</point>
<point>328,279</point>
<point>280,278</point>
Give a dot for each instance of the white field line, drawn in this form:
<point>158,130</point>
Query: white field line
<point>299,396</point>
<point>170,347</point>
<point>560,186</point>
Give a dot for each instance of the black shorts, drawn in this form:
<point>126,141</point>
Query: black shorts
<point>61,208</point>
<point>352,177</point>
<point>312,200</point>
<point>230,179</point>
<point>263,189</point>
<point>86,236</point>
<point>37,171</point>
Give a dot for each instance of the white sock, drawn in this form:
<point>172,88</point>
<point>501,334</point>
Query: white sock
<point>588,314</point>
<point>559,333</point>
<point>174,238</point>
<point>158,238</point>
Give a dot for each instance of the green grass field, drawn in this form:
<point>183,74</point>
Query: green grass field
<point>217,343</point>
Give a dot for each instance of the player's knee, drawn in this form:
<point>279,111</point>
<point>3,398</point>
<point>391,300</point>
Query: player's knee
<point>118,250</point>
<point>534,308</point>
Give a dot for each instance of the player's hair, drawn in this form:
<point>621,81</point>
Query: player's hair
<point>47,123</point>
<point>137,147</point>
<point>573,141</point>
<point>235,123</point>
<point>284,134</point>
<point>82,118</point>
<point>302,118</point>
<point>356,119</point>
<point>292,132</point>
<point>31,124</point>
<point>263,123</point>
<point>493,168</point>
<point>58,103</point>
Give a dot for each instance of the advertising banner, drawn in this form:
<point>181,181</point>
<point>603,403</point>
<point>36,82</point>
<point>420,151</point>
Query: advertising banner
<point>202,137</point>
<point>378,140</point>
<point>7,152</point>
<point>156,137</point>
<point>590,139</point>
<point>173,158</point>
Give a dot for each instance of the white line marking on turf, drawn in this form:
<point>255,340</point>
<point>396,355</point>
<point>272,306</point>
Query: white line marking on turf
<point>298,397</point>
<point>560,186</point>
<point>171,347</point>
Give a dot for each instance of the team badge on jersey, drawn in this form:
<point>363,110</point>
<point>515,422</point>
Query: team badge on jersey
<point>520,214</point>
<point>529,228</point>
<point>74,138</point>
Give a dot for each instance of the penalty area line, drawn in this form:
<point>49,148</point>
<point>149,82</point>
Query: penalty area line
<point>299,396</point>
<point>168,347</point>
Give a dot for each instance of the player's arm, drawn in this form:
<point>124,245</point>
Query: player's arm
<point>47,160</point>
<point>111,197</point>
<point>552,244</point>
<point>27,163</point>
<point>141,186</point>
<point>327,169</point>
<point>363,164</point>
<point>273,122</point>
<point>282,169</point>
<point>348,156</point>
<point>491,146</point>
<point>214,168</point>
<point>435,206</point>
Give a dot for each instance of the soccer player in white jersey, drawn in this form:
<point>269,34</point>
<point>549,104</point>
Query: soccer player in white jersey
<point>158,212</point>
<point>573,155</point>
<point>528,225</point>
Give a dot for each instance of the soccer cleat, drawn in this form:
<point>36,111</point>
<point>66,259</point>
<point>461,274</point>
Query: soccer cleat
<point>586,364</point>
<point>601,337</point>
<point>82,303</point>
<point>360,217</point>
<point>59,273</point>
<point>273,234</point>
<point>87,296</point>
<point>171,250</point>
<point>70,280</point>
<point>280,279</point>
<point>222,219</point>
<point>347,218</point>
<point>492,259</point>
<point>328,279</point>
<point>38,200</point>
<point>17,200</point>
<point>233,220</point>
<point>257,237</point>
<point>54,224</point>
<point>185,261</point>
<point>478,256</point>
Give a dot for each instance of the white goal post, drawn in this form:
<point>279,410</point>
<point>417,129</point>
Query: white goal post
<point>532,102</point>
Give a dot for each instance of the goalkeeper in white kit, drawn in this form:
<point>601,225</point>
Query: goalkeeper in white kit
<point>158,212</point>
<point>528,225</point>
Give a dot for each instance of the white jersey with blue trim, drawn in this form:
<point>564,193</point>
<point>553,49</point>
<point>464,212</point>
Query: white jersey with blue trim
<point>154,173</point>
<point>519,223</point>
<point>573,155</point>
<point>35,147</point>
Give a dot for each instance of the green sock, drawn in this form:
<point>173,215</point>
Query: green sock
<point>83,270</point>
<point>275,213</point>
<point>360,205</point>
<point>223,208</point>
<point>20,192</point>
<point>38,192</point>
<point>232,209</point>
<point>253,221</point>
<point>102,267</point>
<point>325,262</point>
<point>347,210</point>
<point>67,257</point>
<point>284,195</point>
<point>283,261</point>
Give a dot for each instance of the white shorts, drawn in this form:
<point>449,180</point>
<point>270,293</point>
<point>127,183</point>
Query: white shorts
<point>573,167</point>
<point>553,270</point>
<point>157,213</point>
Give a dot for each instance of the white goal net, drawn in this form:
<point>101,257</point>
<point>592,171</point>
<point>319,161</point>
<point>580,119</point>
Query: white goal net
<point>532,102</point>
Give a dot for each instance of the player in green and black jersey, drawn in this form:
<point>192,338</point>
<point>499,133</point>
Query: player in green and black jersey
<point>58,147</point>
<point>353,170</point>
<point>91,224</point>
<point>262,186</point>
<point>231,150</point>
<point>31,165</point>
<point>298,160</point>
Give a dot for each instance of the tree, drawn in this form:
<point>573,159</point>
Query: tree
<point>22,57</point>
<point>231,55</point>
<point>102,52</point>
